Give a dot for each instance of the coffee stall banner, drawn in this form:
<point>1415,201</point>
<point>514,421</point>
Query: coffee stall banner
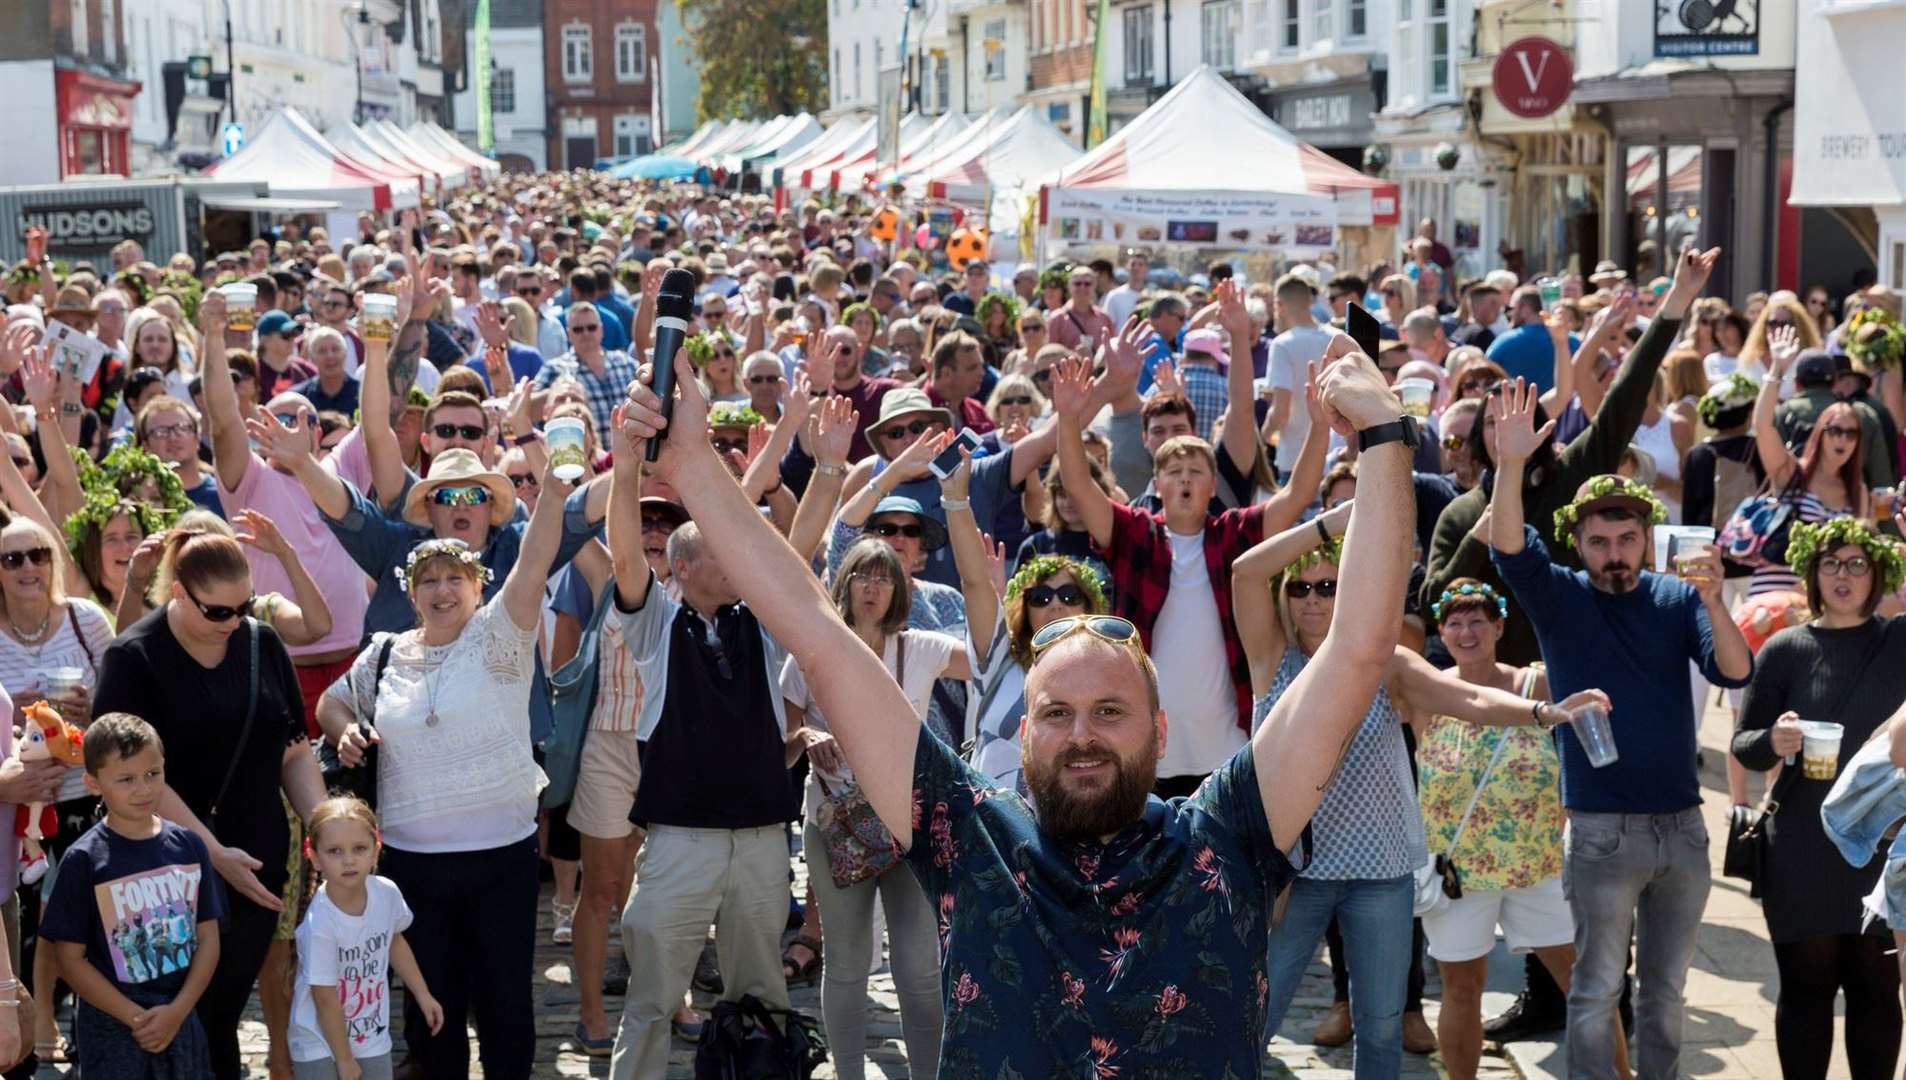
<point>1229,219</point>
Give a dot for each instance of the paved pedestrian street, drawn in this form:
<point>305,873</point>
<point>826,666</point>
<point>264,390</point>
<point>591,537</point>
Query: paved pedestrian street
<point>1730,999</point>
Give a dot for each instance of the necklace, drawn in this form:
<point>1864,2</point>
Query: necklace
<point>431,686</point>
<point>39,634</point>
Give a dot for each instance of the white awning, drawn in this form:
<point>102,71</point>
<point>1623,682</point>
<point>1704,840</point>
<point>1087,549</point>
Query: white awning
<point>267,205</point>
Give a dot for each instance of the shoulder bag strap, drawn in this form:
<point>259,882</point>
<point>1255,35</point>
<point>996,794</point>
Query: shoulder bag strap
<point>72,616</point>
<point>377,677</point>
<point>900,661</point>
<point>1502,740</point>
<point>251,713</point>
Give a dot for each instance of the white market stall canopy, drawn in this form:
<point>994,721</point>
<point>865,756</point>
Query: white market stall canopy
<point>291,158</point>
<point>363,148</point>
<point>1014,155</point>
<point>432,137</point>
<point>1203,165</point>
<point>448,172</point>
<point>695,140</point>
<point>810,170</point>
<point>800,131</point>
<point>859,173</point>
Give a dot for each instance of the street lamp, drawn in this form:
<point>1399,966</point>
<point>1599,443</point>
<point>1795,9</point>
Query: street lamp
<point>353,16</point>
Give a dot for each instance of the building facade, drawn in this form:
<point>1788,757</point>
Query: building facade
<point>598,80</point>
<point>64,83</point>
<point>1060,68</point>
<point>517,113</point>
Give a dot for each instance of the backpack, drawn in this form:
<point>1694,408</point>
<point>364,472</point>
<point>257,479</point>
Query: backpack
<point>572,701</point>
<point>745,1040</point>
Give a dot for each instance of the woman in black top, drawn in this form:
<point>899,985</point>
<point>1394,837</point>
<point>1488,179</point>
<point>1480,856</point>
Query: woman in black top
<point>1842,668</point>
<point>196,668</point>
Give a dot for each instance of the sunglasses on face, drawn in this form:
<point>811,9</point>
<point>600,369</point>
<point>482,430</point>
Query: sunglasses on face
<point>1016,399</point>
<point>1779,322</point>
<point>292,420</point>
<point>763,380</point>
<point>1477,386</point>
<point>1104,627</point>
<point>1040,595</point>
<point>1042,375</point>
<point>726,445</point>
<point>1297,590</point>
<point>890,529</point>
<point>220,612</point>
<point>22,462</point>
<point>167,431</point>
<point>1453,442</point>
<point>1831,565</point>
<point>585,328</point>
<point>38,556</point>
<point>461,495</point>
<point>1845,433</point>
<point>529,290</point>
<point>657,523</point>
<point>468,432</point>
<point>335,303</point>
<point>716,314</point>
<point>915,429</point>
<point>523,480</point>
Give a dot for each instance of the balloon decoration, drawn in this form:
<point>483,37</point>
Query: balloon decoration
<point>886,224</point>
<point>965,246</point>
<point>924,239</point>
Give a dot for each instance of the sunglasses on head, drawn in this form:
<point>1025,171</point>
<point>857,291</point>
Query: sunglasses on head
<point>915,428</point>
<point>468,432</point>
<point>891,529</point>
<point>1104,627</point>
<point>461,495</point>
<point>220,612</point>
<point>38,556</point>
<point>1297,590</point>
<point>1040,595</point>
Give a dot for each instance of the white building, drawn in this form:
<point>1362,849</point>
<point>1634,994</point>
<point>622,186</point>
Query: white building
<point>157,33</point>
<point>863,37</point>
<point>516,84</point>
<point>287,53</point>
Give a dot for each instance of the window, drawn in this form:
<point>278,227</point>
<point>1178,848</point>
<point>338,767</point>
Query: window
<point>837,75</point>
<point>81,39</point>
<point>631,135</point>
<point>1323,21</point>
<point>857,82</point>
<point>1441,65</point>
<point>502,90</point>
<point>578,64</point>
<point>1220,39</point>
<point>631,52</point>
<point>880,57</point>
<point>1034,30</point>
<point>108,41</point>
<point>942,81</point>
<point>1356,19</point>
<point>1138,44</point>
<point>1290,26</point>
<point>1260,26</point>
<point>995,43</point>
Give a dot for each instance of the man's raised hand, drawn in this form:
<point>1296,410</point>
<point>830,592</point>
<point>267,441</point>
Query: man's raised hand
<point>1516,438</point>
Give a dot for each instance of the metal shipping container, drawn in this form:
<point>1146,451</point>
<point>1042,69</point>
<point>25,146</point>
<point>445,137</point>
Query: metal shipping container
<point>85,218</point>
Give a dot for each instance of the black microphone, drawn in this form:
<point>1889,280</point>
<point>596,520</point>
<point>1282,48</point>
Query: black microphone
<point>674,303</point>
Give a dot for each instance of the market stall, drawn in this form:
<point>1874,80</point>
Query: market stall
<point>296,162</point>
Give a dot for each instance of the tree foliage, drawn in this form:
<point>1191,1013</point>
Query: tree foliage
<point>750,64</point>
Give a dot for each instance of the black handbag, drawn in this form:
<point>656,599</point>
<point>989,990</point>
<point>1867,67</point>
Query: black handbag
<point>358,780</point>
<point>746,1040</point>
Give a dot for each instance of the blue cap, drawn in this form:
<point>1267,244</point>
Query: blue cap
<point>933,531</point>
<point>275,322</point>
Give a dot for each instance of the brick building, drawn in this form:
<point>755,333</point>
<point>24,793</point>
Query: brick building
<point>599,79</point>
<point>1060,72</point>
<point>63,84</point>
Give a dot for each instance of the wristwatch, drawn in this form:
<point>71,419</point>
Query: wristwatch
<point>1403,429</point>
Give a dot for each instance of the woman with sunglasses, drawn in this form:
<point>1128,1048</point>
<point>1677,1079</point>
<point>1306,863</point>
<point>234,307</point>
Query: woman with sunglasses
<point>1824,480</point>
<point>1783,312</point>
<point>871,595</point>
<point>1015,405</point>
<point>1842,668</point>
<point>1367,834</point>
<point>221,691</point>
<point>715,354</point>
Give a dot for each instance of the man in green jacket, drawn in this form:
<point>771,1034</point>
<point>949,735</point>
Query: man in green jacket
<point>1456,551</point>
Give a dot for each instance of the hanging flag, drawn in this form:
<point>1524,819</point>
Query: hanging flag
<point>1095,120</point>
<point>485,123</point>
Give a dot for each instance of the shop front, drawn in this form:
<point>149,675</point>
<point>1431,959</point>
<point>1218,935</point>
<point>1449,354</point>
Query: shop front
<point>1337,118</point>
<point>1849,139</point>
<point>1444,175</point>
<point>95,122</point>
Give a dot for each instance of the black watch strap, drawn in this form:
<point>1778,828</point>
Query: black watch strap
<point>1403,429</point>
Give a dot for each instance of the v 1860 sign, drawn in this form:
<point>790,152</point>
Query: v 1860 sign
<point>1532,77</point>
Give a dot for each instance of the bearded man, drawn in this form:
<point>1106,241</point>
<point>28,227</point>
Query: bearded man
<point>1096,928</point>
<point>1636,847</point>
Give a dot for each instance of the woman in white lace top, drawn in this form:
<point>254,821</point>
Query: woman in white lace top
<point>457,787</point>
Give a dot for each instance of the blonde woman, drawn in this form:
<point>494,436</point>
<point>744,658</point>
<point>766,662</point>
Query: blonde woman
<point>1015,405</point>
<point>1399,299</point>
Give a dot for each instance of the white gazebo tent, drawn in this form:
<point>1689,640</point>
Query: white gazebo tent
<point>452,173</point>
<point>430,136</point>
<point>294,161</point>
<point>858,173</point>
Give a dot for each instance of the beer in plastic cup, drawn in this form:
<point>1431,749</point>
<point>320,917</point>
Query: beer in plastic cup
<point>1597,738</point>
<point>1820,749</point>
<point>62,681</point>
<point>241,305</point>
<point>566,447</point>
<point>1687,553</point>
<point>379,316</point>
<point>1416,395</point>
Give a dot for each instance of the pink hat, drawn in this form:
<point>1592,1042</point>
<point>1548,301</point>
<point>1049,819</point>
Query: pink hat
<point>1207,341</point>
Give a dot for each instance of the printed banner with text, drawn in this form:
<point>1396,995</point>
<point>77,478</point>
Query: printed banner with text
<point>1227,219</point>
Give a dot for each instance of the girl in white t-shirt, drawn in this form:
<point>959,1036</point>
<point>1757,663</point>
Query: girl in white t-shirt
<point>350,941</point>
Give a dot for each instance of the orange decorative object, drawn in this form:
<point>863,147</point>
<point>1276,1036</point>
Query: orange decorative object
<point>47,735</point>
<point>886,225</point>
<point>965,246</point>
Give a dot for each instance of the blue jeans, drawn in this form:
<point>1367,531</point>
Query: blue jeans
<point>1374,915</point>
<point>1643,877</point>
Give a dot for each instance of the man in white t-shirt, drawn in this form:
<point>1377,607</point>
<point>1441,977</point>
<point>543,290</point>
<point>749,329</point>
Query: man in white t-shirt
<point>1120,301</point>
<point>1292,353</point>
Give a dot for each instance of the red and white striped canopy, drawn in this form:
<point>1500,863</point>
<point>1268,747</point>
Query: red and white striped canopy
<point>295,161</point>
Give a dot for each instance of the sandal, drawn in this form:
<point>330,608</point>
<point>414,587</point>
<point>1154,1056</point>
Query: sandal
<point>795,972</point>
<point>562,932</point>
<point>57,1052</point>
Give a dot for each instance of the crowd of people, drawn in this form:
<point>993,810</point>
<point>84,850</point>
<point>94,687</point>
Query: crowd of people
<point>1102,648</point>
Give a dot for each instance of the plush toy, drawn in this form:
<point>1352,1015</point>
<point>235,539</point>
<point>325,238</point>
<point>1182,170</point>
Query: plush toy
<point>48,735</point>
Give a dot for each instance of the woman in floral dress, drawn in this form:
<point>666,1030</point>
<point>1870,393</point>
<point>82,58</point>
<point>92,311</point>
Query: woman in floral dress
<point>1509,855</point>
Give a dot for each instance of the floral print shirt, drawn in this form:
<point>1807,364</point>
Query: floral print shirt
<point>1139,958</point>
<point>1514,838</point>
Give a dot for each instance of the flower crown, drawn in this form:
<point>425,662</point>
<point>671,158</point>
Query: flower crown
<point>1601,488</point>
<point>732,414</point>
<point>1041,567</point>
<point>1877,349</point>
<point>1331,551</point>
<point>1730,393</point>
<point>440,548</point>
<point>1472,589</point>
<point>1806,543</point>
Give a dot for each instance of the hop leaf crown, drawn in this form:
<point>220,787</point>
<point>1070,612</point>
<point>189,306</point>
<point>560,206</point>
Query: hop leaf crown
<point>732,414</point>
<point>1600,488</point>
<point>115,485</point>
<point>1730,393</point>
<point>1806,543</point>
<point>1874,350</point>
<point>1041,567</point>
<point>1330,551</point>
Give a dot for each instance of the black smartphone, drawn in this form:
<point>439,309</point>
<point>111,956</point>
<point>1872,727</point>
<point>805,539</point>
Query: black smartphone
<point>1362,327</point>
<point>949,458</point>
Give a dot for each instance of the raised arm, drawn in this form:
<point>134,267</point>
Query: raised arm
<point>1240,420</point>
<point>231,451</point>
<point>971,555</point>
<point>1071,394</point>
<point>643,332</point>
<point>1441,693</point>
<point>1288,503</point>
<point>1515,440</point>
<point>1783,345</point>
<point>910,465</point>
<point>1299,745</point>
<point>523,588</point>
<point>306,618</point>
<point>833,436</point>
<point>291,451</point>
<point>60,493</point>
<point>632,576</point>
<point>764,465</point>
<point>1254,608</point>
<point>374,403</point>
<point>869,715</point>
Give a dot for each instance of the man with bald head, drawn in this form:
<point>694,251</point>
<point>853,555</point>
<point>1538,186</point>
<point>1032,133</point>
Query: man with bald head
<point>1094,926</point>
<point>838,354</point>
